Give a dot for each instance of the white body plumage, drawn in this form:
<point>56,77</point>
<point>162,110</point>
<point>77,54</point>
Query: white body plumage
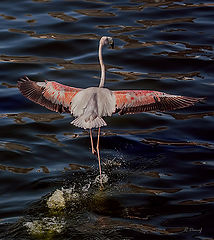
<point>90,105</point>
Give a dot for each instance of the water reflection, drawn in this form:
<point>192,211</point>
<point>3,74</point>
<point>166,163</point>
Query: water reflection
<point>15,147</point>
<point>51,138</point>
<point>95,13</point>
<point>180,116</point>
<point>45,169</point>
<point>151,23</point>
<point>191,202</point>
<point>56,36</point>
<point>16,169</point>
<point>188,76</point>
<point>158,166</point>
<point>63,16</point>
<point>171,143</point>
<point>41,117</point>
<point>137,189</point>
<point>7,17</point>
<point>191,51</point>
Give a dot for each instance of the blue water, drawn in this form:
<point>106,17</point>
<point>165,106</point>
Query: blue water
<point>159,165</point>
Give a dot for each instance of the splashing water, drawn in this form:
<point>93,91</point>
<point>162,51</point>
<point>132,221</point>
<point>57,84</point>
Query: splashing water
<point>47,225</point>
<point>104,179</point>
<point>57,200</point>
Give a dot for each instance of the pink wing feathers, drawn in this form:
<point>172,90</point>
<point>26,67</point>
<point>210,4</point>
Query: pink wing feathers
<point>52,95</point>
<point>134,101</point>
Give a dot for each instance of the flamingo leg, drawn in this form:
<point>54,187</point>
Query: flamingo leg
<point>98,155</point>
<point>92,144</point>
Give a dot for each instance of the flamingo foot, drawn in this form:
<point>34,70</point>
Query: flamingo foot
<point>101,180</point>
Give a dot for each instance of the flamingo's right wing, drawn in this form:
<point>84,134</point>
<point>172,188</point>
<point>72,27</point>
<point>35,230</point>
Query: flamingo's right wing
<point>135,101</point>
<point>52,95</point>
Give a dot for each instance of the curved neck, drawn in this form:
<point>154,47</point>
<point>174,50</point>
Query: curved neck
<point>102,79</point>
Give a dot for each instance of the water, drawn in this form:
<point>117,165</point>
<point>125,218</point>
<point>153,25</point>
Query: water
<point>158,166</point>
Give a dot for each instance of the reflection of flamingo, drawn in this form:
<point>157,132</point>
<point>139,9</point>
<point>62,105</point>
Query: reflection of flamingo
<point>91,104</point>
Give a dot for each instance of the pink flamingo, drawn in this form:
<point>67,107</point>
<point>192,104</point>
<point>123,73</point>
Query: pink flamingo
<point>91,104</point>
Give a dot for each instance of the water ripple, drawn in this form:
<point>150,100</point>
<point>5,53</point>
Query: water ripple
<point>158,167</point>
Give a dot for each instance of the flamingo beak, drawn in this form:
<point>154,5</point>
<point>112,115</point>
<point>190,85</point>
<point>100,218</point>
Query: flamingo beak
<point>111,42</point>
<point>112,45</point>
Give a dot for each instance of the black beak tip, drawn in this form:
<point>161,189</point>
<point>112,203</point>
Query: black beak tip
<point>112,45</point>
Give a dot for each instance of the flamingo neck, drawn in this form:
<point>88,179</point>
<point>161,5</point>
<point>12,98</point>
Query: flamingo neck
<point>102,79</point>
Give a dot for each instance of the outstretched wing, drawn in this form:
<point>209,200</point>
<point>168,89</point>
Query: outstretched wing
<point>135,101</point>
<point>52,95</point>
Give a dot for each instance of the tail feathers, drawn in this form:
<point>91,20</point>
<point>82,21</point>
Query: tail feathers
<point>81,122</point>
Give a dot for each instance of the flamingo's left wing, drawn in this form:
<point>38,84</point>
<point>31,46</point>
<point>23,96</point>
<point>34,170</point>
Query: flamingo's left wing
<point>135,101</point>
<point>52,95</point>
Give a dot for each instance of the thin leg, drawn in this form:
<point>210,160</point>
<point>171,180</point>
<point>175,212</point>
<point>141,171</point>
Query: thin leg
<point>92,144</point>
<point>98,155</point>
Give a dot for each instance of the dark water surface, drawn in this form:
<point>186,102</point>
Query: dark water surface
<point>160,166</point>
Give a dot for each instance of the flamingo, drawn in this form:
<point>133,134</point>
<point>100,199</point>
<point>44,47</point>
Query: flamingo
<point>90,105</point>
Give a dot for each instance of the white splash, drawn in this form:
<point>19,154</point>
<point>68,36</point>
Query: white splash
<point>56,200</point>
<point>104,178</point>
<point>45,225</point>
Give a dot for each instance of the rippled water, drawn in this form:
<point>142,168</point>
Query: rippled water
<point>159,166</point>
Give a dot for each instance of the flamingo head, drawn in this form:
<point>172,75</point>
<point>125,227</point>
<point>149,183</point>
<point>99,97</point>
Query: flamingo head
<point>107,41</point>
